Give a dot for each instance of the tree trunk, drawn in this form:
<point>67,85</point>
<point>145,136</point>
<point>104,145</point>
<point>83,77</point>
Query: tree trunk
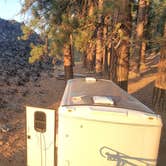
<point>99,51</point>
<point>142,65</point>
<point>140,45</point>
<point>124,48</point>
<point>112,54</point>
<point>105,54</point>
<point>159,94</point>
<point>123,65</point>
<point>99,40</point>
<point>84,60</point>
<point>113,64</point>
<point>90,56</point>
<point>90,52</point>
<point>68,62</point>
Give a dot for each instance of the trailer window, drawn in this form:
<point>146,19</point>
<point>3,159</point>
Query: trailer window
<point>40,121</point>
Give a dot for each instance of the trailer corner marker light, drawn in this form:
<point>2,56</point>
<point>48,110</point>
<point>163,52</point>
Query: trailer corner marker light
<point>70,110</point>
<point>150,118</point>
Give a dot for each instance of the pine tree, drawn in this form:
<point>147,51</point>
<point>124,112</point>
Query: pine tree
<point>68,65</point>
<point>90,50</point>
<point>53,20</point>
<point>124,47</point>
<point>120,43</point>
<point>140,44</point>
<point>95,29</point>
<point>99,39</point>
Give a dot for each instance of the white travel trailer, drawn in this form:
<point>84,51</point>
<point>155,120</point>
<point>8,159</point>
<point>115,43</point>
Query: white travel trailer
<point>101,125</point>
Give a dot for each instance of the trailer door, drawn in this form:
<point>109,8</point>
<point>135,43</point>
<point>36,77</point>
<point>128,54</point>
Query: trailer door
<point>40,128</point>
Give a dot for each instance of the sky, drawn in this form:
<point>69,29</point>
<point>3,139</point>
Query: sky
<point>9,10</point>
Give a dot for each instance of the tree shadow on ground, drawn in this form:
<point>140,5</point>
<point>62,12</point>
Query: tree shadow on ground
<point>145,94</point>
<point>149,67</point>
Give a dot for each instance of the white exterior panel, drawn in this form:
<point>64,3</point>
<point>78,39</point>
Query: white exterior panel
<point>40,145</point>
<point>100,136</point>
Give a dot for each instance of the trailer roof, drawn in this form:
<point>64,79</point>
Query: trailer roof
<point>85,91</point>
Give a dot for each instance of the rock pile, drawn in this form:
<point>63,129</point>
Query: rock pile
<point>15,53</point>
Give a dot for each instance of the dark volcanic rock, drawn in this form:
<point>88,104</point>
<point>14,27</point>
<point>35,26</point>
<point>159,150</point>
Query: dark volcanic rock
<point>15,53</point>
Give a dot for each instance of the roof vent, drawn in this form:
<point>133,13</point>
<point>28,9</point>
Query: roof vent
<point>103,100</point>
<point>90,79</point>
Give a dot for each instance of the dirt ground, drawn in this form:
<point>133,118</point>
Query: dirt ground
<point>47,93</point>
